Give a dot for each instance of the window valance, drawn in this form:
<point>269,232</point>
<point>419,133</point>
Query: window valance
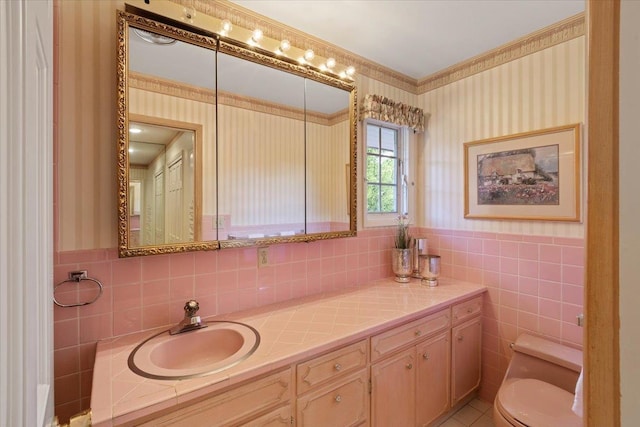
<point>379,107</point>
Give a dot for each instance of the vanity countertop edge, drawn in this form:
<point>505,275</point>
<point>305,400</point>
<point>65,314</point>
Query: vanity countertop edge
<point>290,331</point>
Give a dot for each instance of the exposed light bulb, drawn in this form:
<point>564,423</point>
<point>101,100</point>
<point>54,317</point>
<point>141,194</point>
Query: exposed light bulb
<point>135,130</point>
<point>131,150</point>
<point>350,70</point>
<point>285,45</point>
<point>331,62</point>
<point>309,55</point>
<point>257,35</point>
<point>226,27</point>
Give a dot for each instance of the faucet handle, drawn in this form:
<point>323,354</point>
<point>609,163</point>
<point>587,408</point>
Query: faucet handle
<point>191,307</point>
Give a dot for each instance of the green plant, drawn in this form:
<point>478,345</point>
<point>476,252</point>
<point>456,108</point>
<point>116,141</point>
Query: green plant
<point>403,238</point>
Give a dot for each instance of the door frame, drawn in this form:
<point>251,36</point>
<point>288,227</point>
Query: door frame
<point>602,297</point>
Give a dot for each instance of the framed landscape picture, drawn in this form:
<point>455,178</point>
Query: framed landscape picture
<point>527,176</point>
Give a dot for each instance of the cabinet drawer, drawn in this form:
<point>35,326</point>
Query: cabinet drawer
<point>343,404</point>
<point>332,365</point>
<point>386,342</point>
<point>232,406</point>
<point>466,310</point>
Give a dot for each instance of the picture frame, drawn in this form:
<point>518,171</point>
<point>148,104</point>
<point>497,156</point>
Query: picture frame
<point>526,176</point>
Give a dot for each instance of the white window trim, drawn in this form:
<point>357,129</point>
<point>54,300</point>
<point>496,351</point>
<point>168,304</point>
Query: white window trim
<point>406,200</point>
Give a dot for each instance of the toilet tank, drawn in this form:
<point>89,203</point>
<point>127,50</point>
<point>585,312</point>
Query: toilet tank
<point>535,357</point>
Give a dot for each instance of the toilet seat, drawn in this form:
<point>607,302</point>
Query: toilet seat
<point>534,403</point>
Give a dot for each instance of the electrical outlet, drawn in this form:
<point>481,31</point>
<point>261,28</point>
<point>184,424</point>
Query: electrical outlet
<point>263,257</point>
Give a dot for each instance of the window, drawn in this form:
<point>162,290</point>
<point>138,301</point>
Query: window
<point>386,173</point>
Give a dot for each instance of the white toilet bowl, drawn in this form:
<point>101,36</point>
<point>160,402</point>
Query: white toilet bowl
<point>538,388</point>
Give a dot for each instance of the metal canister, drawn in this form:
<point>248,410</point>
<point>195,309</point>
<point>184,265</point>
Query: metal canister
<point>420,246</point>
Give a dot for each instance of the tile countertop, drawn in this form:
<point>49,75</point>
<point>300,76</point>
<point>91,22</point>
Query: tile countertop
<point>290,331</point>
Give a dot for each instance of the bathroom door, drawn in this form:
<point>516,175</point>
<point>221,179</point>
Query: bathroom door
<point>26,221</point>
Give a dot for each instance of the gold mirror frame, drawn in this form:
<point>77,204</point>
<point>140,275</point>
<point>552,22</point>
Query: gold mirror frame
<point>243,51</point>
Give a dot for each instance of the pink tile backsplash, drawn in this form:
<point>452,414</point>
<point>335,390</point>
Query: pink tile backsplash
<point>534,284</point>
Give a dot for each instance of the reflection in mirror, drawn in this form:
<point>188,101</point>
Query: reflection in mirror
<point>170,101</point>
<point>261,149</point>
<point>328,166</point>
<point>162,196</point>
<point>274,145</point>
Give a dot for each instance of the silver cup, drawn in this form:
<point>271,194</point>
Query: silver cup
<point>430,269</point>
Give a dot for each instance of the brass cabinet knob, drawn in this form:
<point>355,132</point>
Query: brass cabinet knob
<point>337,366</point>
<point>426,356</point>
<point>338,398</point>
<point>460,337</point>
<point>409,365</point>
<point>418,332</point>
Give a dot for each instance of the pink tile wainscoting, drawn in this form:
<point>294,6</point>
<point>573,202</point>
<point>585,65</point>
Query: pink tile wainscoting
<point>535,284</point>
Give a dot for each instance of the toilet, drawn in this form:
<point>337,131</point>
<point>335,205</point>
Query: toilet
<point>538,388</point>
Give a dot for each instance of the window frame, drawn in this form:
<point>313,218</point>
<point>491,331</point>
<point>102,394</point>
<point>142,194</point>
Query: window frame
<point>403,196</point>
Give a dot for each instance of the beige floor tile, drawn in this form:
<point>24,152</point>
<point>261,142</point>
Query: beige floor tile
<point>484,421</point>
<point>467,415</point>
<point>480,405</point>
<point>451,422</point>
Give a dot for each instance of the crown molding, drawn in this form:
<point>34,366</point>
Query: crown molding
<point>560,32</point>
<point>552,35</point>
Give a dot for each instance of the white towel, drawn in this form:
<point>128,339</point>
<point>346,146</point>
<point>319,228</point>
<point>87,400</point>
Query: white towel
<point>577,400</point>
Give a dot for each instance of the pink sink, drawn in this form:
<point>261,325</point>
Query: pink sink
<point>197,353</point>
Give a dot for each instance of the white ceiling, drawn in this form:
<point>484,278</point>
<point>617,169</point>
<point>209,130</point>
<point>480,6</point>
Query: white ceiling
<point>416,37</point>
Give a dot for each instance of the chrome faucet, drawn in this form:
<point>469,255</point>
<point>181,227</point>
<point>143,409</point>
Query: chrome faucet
<point>191,321</point>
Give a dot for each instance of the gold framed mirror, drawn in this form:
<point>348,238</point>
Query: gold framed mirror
<point>270,139</point>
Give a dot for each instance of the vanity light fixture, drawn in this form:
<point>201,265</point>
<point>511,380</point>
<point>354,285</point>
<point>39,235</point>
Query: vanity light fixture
<point>225,27</point>
<point>350,70</point>
<point>330,64</point>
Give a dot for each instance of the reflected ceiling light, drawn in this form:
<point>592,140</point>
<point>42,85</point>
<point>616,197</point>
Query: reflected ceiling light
<point>226,27</point>
<point>131,150</point>
<point>153,38</point>
<point>256,36</point>
<point>331,62</point>
<point>309,55</point>
<point>135,130</point>
<point>350,70</point>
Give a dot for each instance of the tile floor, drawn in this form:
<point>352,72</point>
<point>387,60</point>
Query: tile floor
<point>476,413</point>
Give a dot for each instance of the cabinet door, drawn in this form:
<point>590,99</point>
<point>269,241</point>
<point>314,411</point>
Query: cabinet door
<point>433,360</point>
<point>466,349</point>
<point>393,386</point>
<point>345,404</point>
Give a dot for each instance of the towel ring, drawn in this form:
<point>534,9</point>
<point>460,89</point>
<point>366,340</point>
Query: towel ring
<point>77,277</point>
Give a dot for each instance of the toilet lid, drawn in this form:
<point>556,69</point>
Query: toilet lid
<point>536,403</point>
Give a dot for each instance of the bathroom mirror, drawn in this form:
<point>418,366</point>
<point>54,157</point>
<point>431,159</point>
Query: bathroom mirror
<point>272,148</point>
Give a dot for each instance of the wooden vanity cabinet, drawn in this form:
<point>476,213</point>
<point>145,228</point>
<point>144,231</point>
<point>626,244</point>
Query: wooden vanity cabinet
<point>411,387</point>
<point>466,349</point>
<point>333,389</point>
